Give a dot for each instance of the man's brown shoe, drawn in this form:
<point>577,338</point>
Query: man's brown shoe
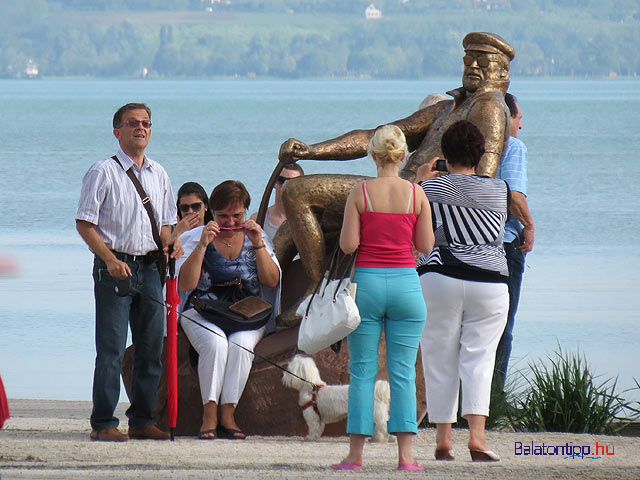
<point>109,434</point>
<point>150,432</point>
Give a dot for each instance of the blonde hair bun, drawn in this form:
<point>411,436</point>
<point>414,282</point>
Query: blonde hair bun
<point>388,144</point>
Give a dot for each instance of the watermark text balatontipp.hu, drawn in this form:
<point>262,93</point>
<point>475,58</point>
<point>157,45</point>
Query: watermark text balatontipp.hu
<point>566,450</point>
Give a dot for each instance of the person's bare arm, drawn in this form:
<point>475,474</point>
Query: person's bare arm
<point>423,237</point>
<point>350,232</point>
<point>115,267</point>
<point>520,209</point>
<point>268,272</point>
<point>192,267</point>
<point>188,221</point>
<point>167,238</point>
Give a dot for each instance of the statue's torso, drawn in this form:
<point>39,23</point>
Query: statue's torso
<point>485,106</point>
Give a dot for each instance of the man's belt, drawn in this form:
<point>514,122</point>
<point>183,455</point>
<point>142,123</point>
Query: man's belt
<point>149,258</point>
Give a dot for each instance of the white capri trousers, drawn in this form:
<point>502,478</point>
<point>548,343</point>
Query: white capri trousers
<point>465,321</point>
<point>223,368</point>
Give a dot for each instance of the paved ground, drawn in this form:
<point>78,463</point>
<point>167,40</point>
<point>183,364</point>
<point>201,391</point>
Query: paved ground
<point>50,440</point>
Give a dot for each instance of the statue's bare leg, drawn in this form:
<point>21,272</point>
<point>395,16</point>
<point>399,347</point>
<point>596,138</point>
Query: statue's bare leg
<point>314,205</point>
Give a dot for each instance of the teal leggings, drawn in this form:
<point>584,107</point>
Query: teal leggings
<point>389,297</point>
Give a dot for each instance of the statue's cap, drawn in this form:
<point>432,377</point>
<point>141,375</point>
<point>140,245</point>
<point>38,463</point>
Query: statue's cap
<point>488,42</point>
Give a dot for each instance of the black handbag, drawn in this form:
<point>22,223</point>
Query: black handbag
<point>250,313</point>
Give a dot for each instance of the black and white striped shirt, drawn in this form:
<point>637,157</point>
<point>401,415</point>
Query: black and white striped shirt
<point>469,213</point>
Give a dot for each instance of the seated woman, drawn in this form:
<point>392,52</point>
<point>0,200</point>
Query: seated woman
<point>464,285</point>
<point>193,208</point>
<point>227,248</point>
<point>193,213</point>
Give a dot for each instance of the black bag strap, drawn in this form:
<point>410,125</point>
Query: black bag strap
<point>146,202</point>
<point>331,272</point>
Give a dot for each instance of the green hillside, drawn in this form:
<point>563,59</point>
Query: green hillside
<point>302,39</point>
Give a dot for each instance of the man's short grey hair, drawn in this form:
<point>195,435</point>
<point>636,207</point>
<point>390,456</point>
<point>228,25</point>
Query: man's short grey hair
<point>432,100</point>
<point>511,101</point>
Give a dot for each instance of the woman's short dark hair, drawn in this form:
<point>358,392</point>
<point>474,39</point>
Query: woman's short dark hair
<point>229,192</point>
<point>193,188</point>
<point>463,144</point>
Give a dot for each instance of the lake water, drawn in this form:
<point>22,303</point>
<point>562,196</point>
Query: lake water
<point>580,287</point>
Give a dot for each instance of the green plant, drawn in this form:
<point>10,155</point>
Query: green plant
<point>563,396</point>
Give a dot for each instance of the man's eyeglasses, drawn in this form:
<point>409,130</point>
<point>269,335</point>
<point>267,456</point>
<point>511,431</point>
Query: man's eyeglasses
<point>282,179</point>
<point>185,207</point>
<point>483,60</point>
<point>135,123</point>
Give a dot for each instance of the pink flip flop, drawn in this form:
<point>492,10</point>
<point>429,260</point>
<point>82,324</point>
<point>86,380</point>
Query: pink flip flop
<point>346,466</point>
<point>415,467</point>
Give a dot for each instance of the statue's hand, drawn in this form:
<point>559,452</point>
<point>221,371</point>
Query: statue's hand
<point>292,150</point>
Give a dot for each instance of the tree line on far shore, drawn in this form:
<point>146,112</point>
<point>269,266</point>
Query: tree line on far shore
<point>297,39</point>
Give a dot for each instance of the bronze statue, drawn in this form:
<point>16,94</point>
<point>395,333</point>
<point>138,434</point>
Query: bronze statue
<point>315,203</point>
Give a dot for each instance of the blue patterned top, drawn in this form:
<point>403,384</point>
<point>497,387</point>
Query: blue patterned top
<point>216,268</point>
<point>222,269</point>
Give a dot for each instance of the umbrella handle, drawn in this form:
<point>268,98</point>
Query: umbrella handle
<point>172,263</point>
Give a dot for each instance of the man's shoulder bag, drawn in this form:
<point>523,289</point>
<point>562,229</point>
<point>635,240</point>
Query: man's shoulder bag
<point>162,261</point>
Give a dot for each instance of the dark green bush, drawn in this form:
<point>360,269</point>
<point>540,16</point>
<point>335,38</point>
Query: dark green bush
<point>564,396</point>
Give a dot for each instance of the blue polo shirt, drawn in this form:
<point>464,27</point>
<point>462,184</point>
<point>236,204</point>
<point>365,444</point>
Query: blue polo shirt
<point>513,170</point>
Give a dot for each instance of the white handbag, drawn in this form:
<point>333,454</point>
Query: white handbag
<point>330,313</point>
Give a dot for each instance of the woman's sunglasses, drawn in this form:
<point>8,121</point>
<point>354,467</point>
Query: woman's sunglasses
<point>184,207</point>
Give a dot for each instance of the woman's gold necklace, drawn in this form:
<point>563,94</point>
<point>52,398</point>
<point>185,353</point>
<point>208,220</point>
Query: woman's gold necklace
<point>228,244</point>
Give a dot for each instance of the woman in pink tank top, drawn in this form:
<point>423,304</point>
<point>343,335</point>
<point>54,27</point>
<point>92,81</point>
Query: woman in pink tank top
<point>384,219</point>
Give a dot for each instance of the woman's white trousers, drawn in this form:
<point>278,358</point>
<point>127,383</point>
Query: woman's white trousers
<point>223,368</point>
<point>465,321</point>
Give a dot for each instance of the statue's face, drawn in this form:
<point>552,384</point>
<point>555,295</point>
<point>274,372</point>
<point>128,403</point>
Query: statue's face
<point>480,67</point>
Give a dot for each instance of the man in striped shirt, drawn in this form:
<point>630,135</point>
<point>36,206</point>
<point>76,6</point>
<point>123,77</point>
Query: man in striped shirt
<point>519,230</point>
<point>112,220</point>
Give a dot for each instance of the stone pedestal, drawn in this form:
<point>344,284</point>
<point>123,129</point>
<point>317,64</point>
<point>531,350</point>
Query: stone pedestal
<point>266,406</point>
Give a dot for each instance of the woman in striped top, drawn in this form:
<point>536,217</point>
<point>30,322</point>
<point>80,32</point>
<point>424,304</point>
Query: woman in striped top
<point>464,285</point>
<point>384,218</point>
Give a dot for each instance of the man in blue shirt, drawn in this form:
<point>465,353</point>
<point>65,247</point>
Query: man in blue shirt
<point>519,230</point>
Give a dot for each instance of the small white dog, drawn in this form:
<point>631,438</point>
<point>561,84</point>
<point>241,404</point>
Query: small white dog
<point>328,403</point>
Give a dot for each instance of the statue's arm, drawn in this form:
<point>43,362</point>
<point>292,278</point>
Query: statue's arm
<point>354,144</point>
<point>416,126</point>
<point>492,118</point>
<point>351,145</point>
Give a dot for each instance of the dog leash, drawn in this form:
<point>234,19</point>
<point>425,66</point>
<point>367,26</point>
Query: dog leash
<point>123,287</point>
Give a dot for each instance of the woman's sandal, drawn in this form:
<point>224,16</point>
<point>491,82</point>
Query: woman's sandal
<point>344,465</point>
<point>230,433</point>
<point>444,454</point>
<point>484,456</point>
<point>208,434</point>
<point>415,466</point>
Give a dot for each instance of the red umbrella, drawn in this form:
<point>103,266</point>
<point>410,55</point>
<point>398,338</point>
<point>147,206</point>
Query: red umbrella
<point>172,303</point>
<point>4,405</point>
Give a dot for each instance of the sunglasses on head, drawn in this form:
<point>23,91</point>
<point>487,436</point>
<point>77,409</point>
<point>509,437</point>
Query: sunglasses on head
<point>184,207</point>
<point>282,179</point>
<point>135,123</point>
